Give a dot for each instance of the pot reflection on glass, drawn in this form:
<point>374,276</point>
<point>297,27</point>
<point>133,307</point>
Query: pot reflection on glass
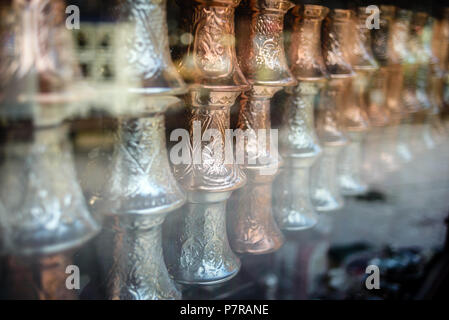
<point>326,194</point>
<point>409,101</point>
<point>139,189</point>
<point>298,140</point>
<point>43,214</point>
<point>384,105</point>
<point>440,47</point>
<point>425,63</point>
<point>354,119</point>
<point>196,245</point>
<point>251,225</point>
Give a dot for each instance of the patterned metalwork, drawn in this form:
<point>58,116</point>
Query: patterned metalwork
<point>139,180</point>
<point>143,62</point>
<point>197,248</point>
<point>139,189</point>
<point>251,224</point>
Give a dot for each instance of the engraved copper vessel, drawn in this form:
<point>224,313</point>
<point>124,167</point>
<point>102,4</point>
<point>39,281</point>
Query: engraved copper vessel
<point>326,194</point>
<point>197,250</point>
<point>298,140</point>
<point>43,214</point>
<point>353,117</point>
<point>251,225</point>
<point>139,189</point>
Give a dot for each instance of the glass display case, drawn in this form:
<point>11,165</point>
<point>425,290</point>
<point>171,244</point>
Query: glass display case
<point>226,149</point>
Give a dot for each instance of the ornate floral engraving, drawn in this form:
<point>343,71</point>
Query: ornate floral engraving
<point>201,252</point>
<point>140,178</point>
<point>130,250</point>
<point>197,246</point>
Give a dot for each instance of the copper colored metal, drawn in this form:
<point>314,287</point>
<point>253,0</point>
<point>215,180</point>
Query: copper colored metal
<point>326,194</point>
<point>139,189</point>
<point>353,116</point>
<point>443,54</point>
<point>132,259</point>
<point>440,47</point>
<point>299,143</point>
<point>139,192</point>
<point>197,247</point>
<point>38,278</point>
<point>36,62</point>
<point>431,82</point>
<point>388,144</point>
<point>425,62</point>
<point>251,225</point>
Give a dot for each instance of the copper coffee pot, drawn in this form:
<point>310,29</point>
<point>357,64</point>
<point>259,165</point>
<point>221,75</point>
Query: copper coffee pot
<point>197,250</point>
<point>299,143</point>
<point>139,189</point>
<point>251,225</point>
<point>326,192</point>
